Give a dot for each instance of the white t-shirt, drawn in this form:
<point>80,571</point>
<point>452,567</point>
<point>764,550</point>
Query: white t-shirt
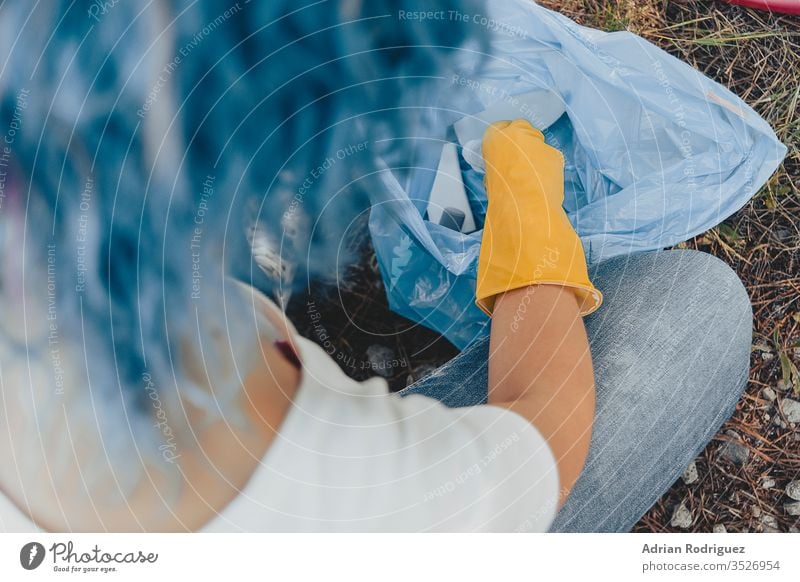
<point>350,456</point>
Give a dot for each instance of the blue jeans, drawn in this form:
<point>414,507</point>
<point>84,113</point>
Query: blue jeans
<point>671,353</point>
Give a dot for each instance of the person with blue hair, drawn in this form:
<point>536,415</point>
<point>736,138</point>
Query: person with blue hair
<point>171,172</point>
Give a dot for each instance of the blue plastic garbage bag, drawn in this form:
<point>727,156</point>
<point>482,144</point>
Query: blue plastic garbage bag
<point>655,153</point>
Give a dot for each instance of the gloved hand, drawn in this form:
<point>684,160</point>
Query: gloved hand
<point>527,237</point>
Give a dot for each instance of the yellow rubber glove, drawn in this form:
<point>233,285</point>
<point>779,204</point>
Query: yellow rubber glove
<point>527,237</point>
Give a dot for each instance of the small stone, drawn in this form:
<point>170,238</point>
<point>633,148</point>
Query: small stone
<point>381,360</point>
<point>690,474</point>
<point>793,490</point>
<point>792,508</point>
<point>782,386</point>
<point>719,528</point>
<point>768,483</point>
<point>756,511</point>
<point>682,517</point>
<point>791,409</point>
<point>768,393</point>
<point>767,356</point>
<point>733,450</point>
<point>777,421</point>
<point>769,523</point>
<point>783,234</point>
<point>793,529</point>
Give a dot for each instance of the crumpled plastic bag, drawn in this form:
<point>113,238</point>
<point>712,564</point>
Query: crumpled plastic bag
<point>655,153</point>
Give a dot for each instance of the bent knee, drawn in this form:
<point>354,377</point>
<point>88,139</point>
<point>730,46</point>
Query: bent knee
<point>681,304</point>
<point>723,305</point>
<point>721,286</point>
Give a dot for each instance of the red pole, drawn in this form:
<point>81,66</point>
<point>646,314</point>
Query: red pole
<point>785,6</point>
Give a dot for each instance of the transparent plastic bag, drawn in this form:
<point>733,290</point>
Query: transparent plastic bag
<point>655,153</point>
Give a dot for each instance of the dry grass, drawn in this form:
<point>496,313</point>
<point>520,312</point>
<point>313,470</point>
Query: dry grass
<point>755,55</point>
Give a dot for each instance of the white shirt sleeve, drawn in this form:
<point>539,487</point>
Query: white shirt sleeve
<point>350,456</point>
<point>12,520</point>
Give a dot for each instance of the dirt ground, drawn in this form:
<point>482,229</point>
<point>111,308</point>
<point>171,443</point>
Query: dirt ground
<point>756,55</point>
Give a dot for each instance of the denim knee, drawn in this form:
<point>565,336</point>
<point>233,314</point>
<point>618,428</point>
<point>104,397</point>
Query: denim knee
<point>723,285</point>
<point>727,297</point>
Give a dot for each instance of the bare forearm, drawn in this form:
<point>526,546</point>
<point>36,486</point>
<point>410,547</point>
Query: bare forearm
<point>540,366</point>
